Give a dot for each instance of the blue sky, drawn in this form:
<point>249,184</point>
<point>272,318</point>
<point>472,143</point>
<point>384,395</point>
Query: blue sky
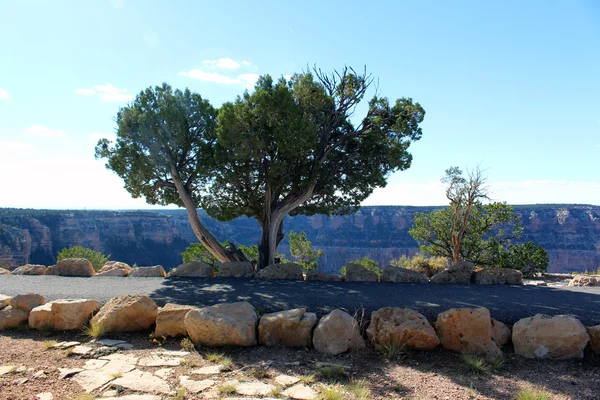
<point>511,86</point>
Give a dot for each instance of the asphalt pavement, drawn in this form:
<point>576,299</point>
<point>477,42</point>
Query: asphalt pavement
<point>506,303</point>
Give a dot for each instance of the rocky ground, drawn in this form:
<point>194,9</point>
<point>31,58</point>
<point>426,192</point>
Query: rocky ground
<point>29,367</point>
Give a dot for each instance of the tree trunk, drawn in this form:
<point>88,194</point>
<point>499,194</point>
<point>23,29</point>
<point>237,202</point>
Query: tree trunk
<point>204,236</point>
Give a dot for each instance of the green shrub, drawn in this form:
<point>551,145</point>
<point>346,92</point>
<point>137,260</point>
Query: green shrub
<point>301,250</point>
<point>428,265</point>
<point>366,262</point>
<point>97,259</point>
<point>528,258</point>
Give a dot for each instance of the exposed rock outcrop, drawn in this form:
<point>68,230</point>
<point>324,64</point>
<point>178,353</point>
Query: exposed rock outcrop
<point>28,301</point>
<point>155,271</point>
<point>11,317</point>
<point>114,268</point>
<point>497,276</point>
<point>292,328</point>
<point>358,273</point>
<point>457,273</point>
<point>500,332</point>
<point>193,269</point>
<point>223,324</point>
<point>4,271</point>
<point>4,301</point>
<point>402,326</point>
<point>288,271</point>
<point>560,337</point>
<point>585,280</point>
<point>236,269</point>
<point>402,275</point>
<point>594,332</point>
<point>170,320</point>
<point>336,333</point>
<point>72,267</point>
<point>467,330</point>
<point>63,315</point>
<point>126,314</point>
<point>30,269</point>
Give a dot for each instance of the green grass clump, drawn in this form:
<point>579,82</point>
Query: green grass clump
<point>307,379</point>
<point>392,348</point>
<point>360,390</point>
<point>532,394</point>
<point>335,392</point>
<point>260,372</point>
<point>474,363</point>
<point>187,344</point>
<point>423,264</point>
<point>94,330</point>
<point>219,358</point>
<point>48,344</point>
<point>227,388</point>
<point>179,395</point>
<point>331,372</point>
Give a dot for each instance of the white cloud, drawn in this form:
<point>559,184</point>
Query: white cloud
<point>513,192</point>
<point>44,131</point>
<point>3,94</point>
<point>222,63</point>
<point>10,147</point>
<point>247,81</point>
<point>106,92</point>
<point>94,137</point>
<point>247,63</point>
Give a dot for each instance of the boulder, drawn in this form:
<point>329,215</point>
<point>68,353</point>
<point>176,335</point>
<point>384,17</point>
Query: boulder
<point>402,275</point>
<point>292,328</point>
<point>126,314</point>
<point>223,324</point>
<point>403,326</point>
<point>4,301</point>
<point>114,268</point>
<point>290,271</point>
<point>497,276</point>
<point>170,320</point>
<point>594,332</point>
<point>27,302</point>
<point>11,317</point>
<point>358,273</point>
<point>467,330</point>
<point>30,269</point>
<point>560,337</point>
<point>336,333</point>
<point>323,277</point>
<point>193,269</point>
<point>63,315</point>
<point>236,269</point>
<point>500,332</point>
<point>457,273</point>
<point>585,280</point>
<point>148,272</point>
<point>72,267</point>
<point>4,271</point>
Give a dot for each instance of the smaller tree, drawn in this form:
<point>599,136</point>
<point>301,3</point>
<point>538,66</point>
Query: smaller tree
<point>96,258</point>
<point>366,262</point>
<point>301,250</point>
<point>529,258</point>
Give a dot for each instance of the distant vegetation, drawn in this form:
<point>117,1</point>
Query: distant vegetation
<point>428,265</point>
<point>366,262</point>
<point>96,258</point>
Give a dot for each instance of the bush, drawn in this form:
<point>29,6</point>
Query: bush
<point>366,262</point>
<point>302,251</point>
<point>528,258</point>
<point>423,264</point>
<point>97,259</point>
<point>197,252</point>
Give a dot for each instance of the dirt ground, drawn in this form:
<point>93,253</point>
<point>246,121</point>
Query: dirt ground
<point>437,374</point>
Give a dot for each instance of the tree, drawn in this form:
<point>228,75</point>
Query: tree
<point>529,258</point>
<point>301,250</point>
<point>96,258</point>
<point>164,152</point>
<point>290,147</point>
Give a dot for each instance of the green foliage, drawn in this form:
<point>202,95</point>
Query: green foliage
<point>251,252</point>
<point>428,265</point>
<point>197,252</point>
<point>301,250</point>
<point>474,363</point>
<point>366,262</point>
<point>529,258</point>
<point>96,258</point>
<point>532,394</point>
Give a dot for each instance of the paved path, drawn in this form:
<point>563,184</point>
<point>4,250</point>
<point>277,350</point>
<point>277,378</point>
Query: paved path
<point>506,303</point>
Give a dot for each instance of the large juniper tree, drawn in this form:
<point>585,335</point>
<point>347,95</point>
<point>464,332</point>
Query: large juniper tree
<point>293,147</point>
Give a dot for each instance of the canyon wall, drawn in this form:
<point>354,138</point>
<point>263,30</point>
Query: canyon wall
<point>569,233</point>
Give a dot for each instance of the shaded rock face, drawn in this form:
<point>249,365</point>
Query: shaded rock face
<point>402,326</point>
<point>500,332</point>
<point>288,271</point>
<point>193,269</point>
<point>72,267</point>
<point>127,314</point>
<point>497,276</point>
<point>323,277</point>
<point>223,324</point>
<point>63,315</point>
<point>30,269</point>
<point>594,332</point>
<point>11,317</point>
<point>402,275</point>
<point>358,273</point>
<point>292,328</point>
<point>457,273</point>
<point>156,271</point>
<point>170,320</point>
<point>560,337</point>
<point>585,280</point>
<point>27,302</point>
<point>236,270</point>
<point>336,333</point>
<point>467,330</point>
<point>114,268</point>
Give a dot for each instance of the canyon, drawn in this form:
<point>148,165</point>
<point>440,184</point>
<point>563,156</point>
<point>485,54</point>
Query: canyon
<point>569,233</point>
